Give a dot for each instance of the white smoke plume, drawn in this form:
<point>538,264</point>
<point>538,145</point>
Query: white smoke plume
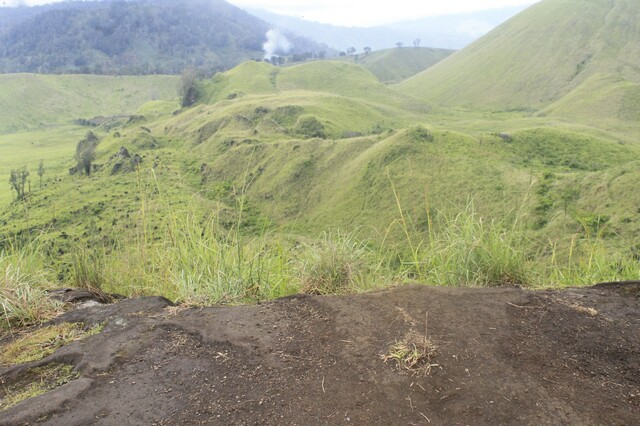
<point>277,44</point>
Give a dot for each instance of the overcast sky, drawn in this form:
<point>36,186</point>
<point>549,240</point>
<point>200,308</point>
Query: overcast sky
<point>357,12</point>
<point>369,12</point>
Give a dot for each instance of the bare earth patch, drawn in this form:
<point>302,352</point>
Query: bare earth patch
<point>500,356</point>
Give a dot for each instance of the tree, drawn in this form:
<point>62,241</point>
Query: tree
<point>416,42</point>
<point>399,44</point>
<point>189,89</point>
<point>351,51</point>
<point>41,171</point>
<point>367,50</point>
<point>18,181</point>
<point>13,181</point>
<point>86,153</point>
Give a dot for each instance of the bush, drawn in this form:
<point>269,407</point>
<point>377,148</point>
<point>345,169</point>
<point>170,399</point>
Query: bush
<point>86,153</point>
<point>335,264</point>
<point>309,127</point>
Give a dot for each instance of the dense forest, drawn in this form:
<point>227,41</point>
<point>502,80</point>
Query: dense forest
<point>133,37</point>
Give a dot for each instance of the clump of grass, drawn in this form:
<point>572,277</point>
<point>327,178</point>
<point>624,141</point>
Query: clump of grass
<point>414,352</point>
<point>88,269</point>
<point>36,382</point>
<point>465,250</point>
<point>587,262</point>
<point>207,264</point>
<point>333,265</point>
<point>23,302</point>
<point>43,342</point>
<point>23,283</point>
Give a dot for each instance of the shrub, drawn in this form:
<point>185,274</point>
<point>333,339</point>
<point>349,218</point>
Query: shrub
<point>335,264</point>
<point>309,127</point>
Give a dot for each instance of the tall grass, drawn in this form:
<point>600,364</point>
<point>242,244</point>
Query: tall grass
<point>200,259</point>
<point>337,263</point>
<point>208,264</point>
<point>23,283</point>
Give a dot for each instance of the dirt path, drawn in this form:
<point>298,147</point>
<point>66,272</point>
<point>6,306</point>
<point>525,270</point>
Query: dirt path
<point>505,356</point>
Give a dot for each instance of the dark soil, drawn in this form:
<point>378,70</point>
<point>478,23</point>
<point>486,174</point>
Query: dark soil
<point>504,356</point>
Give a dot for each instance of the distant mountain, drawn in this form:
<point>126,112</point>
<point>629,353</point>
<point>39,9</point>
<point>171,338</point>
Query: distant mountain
<point>449,31</point>
<point>132,37</point>
<point>588,49</point>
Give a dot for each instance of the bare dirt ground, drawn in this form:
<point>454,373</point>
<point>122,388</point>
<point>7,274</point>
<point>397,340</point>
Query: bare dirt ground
<point>504,356</point>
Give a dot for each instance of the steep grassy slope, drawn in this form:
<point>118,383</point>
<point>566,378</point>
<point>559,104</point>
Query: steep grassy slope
<point>537,57</point>
<point>32,101</point>
<point>396,65</point>
<point>608,101</point>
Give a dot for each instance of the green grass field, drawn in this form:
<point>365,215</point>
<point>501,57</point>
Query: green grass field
<point>281,180</point>
<point>36,101</point>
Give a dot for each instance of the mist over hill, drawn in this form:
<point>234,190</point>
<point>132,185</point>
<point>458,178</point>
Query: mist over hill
<point>448,32</point>
<point>133,37</point>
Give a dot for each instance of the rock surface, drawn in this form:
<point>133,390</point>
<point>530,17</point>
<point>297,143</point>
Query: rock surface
<point>505,356</point>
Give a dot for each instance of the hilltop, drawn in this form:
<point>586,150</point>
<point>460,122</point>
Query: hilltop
<point>133,37</point>
<point>549,51</point>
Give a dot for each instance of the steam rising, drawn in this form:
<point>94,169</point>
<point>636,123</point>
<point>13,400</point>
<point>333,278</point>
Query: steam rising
<point>277,44</point>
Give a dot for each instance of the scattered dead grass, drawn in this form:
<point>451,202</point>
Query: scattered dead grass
<point>415,351</point>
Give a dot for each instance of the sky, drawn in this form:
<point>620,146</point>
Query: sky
<point>370,13</point>
<point>361,13</point>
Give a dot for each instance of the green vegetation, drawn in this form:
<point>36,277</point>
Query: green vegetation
<point>44,341</point>
<point>538,57</point>
<point>36,101</point>
<point>396,65</point>
<point>279,180</point>
<point>36,382</point>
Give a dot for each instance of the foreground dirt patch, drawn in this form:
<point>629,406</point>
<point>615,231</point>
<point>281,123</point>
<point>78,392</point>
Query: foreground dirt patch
<point>504,356</point>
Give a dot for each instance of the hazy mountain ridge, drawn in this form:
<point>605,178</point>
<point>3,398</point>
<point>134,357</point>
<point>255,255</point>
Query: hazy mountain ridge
<point>447,32</point>
<point>136,37</point>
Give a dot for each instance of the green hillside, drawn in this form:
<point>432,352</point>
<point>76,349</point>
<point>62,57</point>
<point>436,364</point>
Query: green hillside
<point>319,177</point>
<point>396,65</point>
<point>347,81</point>
<point>32,101</point>
<point>538,56</point>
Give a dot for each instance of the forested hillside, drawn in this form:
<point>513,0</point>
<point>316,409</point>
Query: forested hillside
<point>134,37</point>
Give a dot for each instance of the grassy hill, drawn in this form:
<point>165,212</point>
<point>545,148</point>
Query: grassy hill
<point>282,179</point>
<point>537,57</point>
<point>276,157</point>
<point>396,65</point>
<point>32,101</point>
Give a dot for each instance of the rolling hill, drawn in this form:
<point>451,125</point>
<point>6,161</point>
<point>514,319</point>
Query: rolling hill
<point>396,65</point>
<point>323,156</point>
<point>539,56</point>
<point>34,101</point>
